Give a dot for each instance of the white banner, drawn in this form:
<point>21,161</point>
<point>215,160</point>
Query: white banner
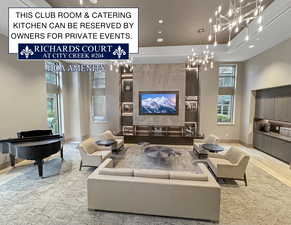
<point>73,26</point>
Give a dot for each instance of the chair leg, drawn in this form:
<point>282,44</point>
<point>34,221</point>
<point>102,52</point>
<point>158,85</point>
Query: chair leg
<point>245,179</point>
<point>80,165</point>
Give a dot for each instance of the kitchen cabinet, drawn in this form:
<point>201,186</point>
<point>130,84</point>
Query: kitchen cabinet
<point>268,107</point>
<point>273,146</point>
<point>274,104</point>
<point>259,108</point>
<point>265,105</point>
<point>281,108</point>
<point>259,141</point>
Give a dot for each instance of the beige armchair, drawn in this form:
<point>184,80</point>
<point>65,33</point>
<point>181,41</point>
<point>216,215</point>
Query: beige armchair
<point>202,153</point>
<point>231,165</point>
<point>108,135</point>
<point>92,155</point>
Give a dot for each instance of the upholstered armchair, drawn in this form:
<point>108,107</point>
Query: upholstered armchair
<point>108,135</point>
<point>232,164</point>
<point>92,155</point>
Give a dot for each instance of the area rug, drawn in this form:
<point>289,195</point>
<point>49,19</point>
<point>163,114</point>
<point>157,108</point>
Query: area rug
<point>135,157</point>
<point>61,199</point>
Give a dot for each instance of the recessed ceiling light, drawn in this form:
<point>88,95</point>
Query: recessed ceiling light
<point>160,21</point>
<point>160,32</point>
<point>251,46</point>
<point>160,39</point>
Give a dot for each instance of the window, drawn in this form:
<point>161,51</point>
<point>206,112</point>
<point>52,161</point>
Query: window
<point>53,100</point>
<point>98,96</point>
<point>226,94</point>
<point>227,76</point>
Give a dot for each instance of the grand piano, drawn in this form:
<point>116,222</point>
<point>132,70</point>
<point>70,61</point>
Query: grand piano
<point>33,145</point>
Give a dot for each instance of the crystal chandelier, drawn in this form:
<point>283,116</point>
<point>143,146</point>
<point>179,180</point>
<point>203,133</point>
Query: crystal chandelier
<point>92,1</point>
<point>126,65</point>
<point>202,60</point>
<point>239,14</point>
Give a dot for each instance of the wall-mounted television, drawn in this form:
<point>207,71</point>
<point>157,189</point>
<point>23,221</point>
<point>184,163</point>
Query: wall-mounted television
<point>159,103</point>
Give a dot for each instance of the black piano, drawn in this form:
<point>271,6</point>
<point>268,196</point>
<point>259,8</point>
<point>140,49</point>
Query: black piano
<point>33,145</point>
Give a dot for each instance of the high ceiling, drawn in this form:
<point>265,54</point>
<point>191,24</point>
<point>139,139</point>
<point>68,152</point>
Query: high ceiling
<point>182,19</point>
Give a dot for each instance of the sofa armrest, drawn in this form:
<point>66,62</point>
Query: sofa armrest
<point>107,163</point>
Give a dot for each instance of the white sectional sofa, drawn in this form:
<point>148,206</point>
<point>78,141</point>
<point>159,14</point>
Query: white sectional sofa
<point>154,192</point>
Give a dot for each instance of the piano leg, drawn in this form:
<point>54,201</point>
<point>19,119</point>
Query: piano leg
<point>62,153</point>
<point>40,167</point>
<point>12,160</point>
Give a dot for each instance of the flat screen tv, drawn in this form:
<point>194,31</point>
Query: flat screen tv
<point>158,103</point>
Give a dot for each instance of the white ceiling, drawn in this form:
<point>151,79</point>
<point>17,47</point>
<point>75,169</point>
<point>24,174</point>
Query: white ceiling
<point>277,25</point>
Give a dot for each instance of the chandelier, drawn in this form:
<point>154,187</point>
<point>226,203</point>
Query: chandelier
<point>202,60</point>
<point>239,14</point>
<point>126,65</point>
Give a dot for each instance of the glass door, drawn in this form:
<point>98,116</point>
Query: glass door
<point>53,112</point>
<point>54,99</point>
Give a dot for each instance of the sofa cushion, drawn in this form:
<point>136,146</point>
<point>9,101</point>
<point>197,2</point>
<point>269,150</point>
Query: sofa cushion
<point>89,145</point>
<point>186,175</point>
<point>148,173</point>
<point>116,171</point>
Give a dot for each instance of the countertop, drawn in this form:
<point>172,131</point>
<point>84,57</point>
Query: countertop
<point>275,135</point>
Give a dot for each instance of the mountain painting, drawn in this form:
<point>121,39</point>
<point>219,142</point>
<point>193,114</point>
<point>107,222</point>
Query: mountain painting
<point>158,104</point>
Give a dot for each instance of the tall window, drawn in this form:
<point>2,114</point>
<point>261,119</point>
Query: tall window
<point>53,98</point>
<point>98,96</point>
<point>226,94</point>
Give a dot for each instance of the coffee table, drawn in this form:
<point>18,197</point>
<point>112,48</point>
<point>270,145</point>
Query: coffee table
<point>107,143</point>
<point>213,148</point>
<point>160,152</point>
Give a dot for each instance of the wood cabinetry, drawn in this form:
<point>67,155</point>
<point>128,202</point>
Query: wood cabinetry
<point>265,105</point>
<point>274,146</point>
<point>274,104</point>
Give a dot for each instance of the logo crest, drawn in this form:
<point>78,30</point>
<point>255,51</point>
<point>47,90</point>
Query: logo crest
<point>119,52</point>
<point>26,51</point>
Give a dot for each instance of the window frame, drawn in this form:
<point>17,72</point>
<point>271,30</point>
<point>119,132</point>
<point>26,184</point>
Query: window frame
<point>57,89</point>
<point>226,90</point>
<point>95,90</point>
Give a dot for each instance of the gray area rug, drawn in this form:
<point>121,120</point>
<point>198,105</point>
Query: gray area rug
<point>60,199</point>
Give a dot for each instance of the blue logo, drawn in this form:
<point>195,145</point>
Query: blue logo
<point>73,51</point>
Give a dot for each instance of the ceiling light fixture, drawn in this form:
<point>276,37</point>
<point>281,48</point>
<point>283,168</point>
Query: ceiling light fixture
<point>160,32</point>
<point>127,64</point>
<point>92,1</point>
<point>160,21</point>
<point>251,46</point>
<point>239,14</point>
<point>204,59</point>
